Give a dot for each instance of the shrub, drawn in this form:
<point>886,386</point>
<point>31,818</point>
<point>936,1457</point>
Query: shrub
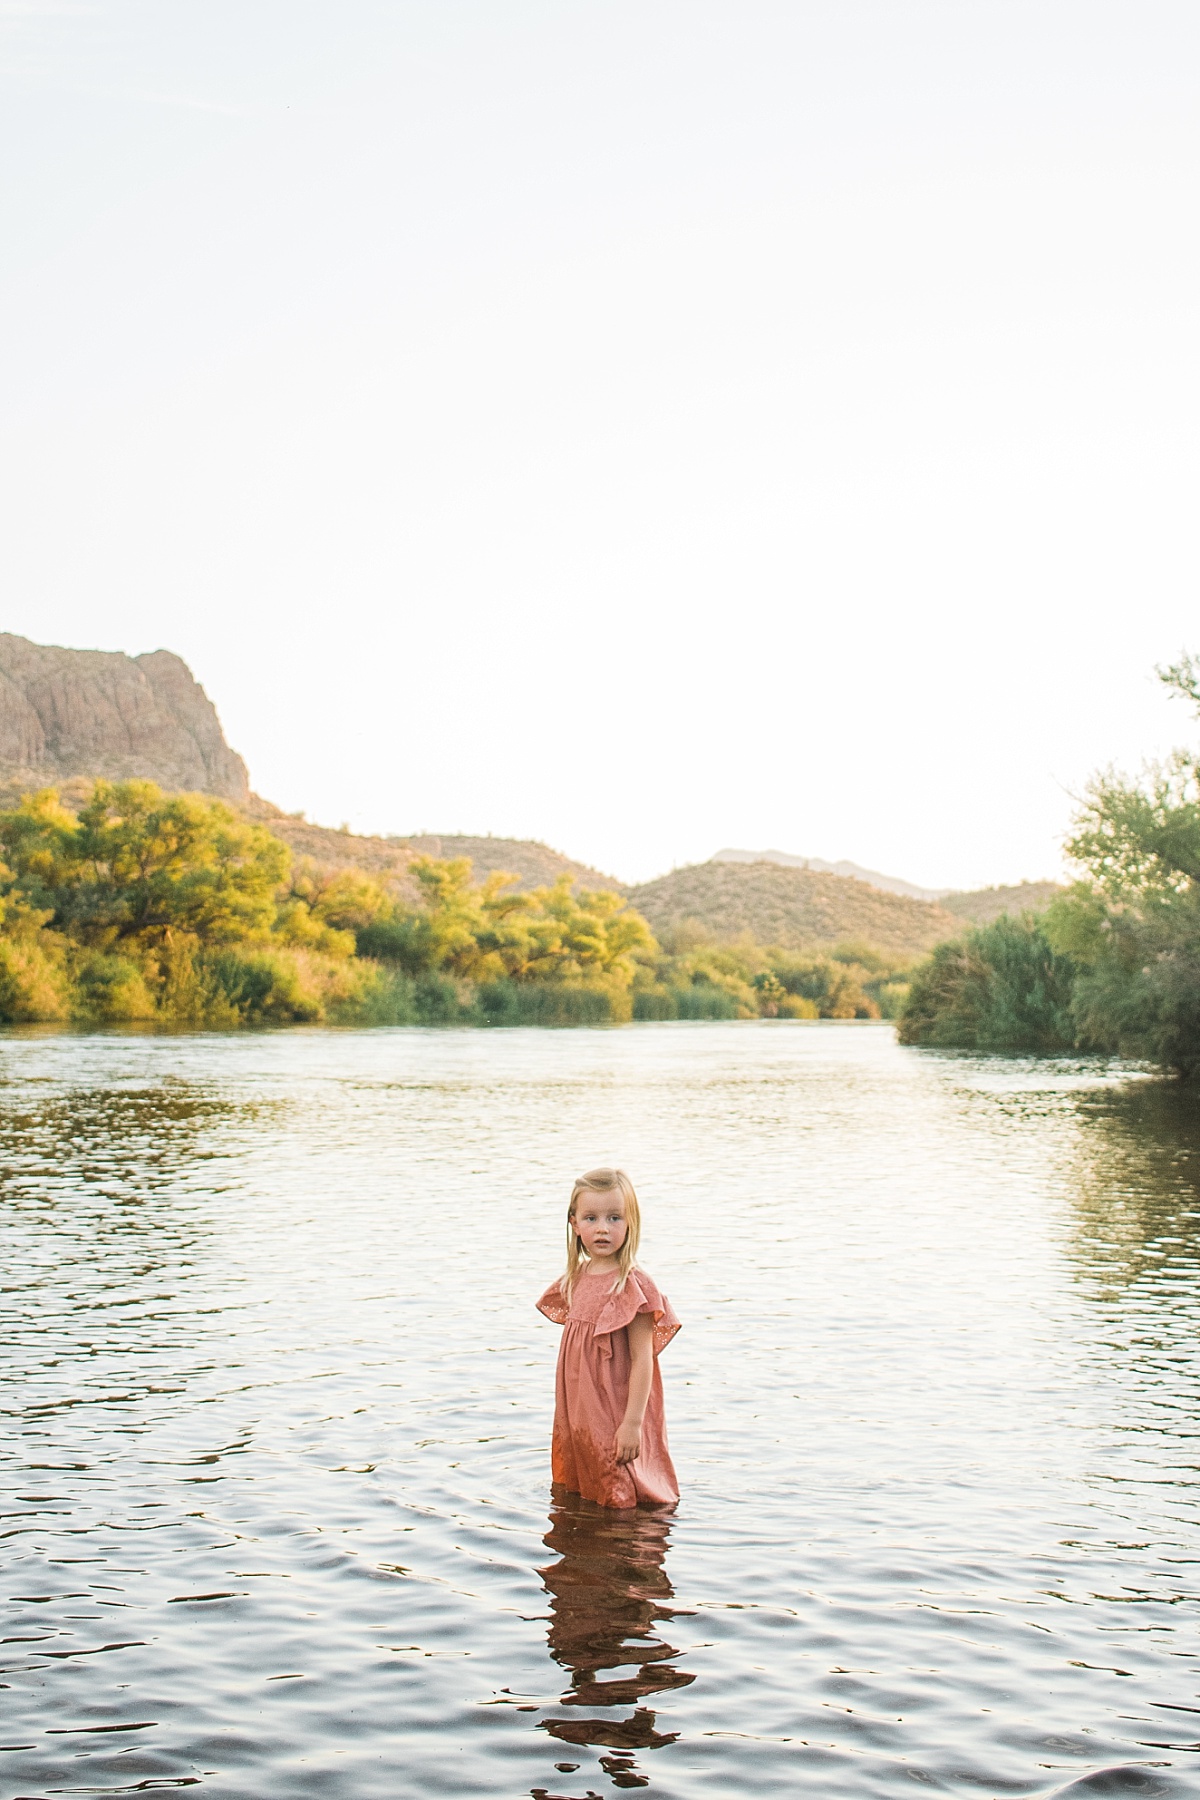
<point>386,997</point>
<point>544,1003</point>
<point>285,985</point>
<point>1137,992</point>
<point>703,1000</point>
<point>795,1006</point>
<point>440,1001</point>
<point>110,990</point>
<point>654,1003</point>
<point>33,984</point>
<point>834,984</point>
<point>999,987</point>
<point>891,997</point>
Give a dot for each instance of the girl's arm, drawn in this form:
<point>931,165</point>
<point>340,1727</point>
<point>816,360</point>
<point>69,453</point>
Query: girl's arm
<point>628,1441</point>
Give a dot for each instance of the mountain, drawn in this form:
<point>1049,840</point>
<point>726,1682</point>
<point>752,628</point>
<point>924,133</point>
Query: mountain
<point>72,713</point>
<point>891,884</point>
<point>68,716</point>
<point>792,907</point>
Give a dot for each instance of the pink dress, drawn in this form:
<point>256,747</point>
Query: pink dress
<point>592,1386</point>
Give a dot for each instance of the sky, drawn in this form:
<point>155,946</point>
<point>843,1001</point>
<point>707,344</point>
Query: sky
<point>644,425</point>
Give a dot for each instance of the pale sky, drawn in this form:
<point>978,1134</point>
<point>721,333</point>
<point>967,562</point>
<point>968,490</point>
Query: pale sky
<point>645,425</point>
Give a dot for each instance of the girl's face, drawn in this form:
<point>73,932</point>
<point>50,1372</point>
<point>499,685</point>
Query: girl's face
<point>600,1223</point>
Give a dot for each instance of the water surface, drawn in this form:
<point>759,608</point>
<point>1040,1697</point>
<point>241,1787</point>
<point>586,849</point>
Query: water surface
<point>277,1516</point>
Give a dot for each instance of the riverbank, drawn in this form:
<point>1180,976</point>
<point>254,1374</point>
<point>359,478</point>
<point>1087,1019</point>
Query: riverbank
<point>137,906</point>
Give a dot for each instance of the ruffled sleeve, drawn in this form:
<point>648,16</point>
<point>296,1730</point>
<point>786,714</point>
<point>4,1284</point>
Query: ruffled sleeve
<point>639,1295</point>
<point>553,1304</point>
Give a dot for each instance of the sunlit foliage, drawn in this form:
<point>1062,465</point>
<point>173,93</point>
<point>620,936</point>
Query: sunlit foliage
<point>696,977</point>
<point>590,943</point>
<point>134,865</point>
<point>143,908</point>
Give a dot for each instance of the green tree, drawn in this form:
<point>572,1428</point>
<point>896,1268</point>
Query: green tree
<point>592,936</point>
<point>147,907</point>
<point>833,985</point>
<point>492,932</point>
<point>135,865</point>
<point>1133,926</point>
<point>999,987</point>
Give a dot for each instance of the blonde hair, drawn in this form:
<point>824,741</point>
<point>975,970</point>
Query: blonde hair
<point>602,1181</point>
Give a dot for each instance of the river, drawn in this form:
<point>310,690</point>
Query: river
<point>277,1515</point>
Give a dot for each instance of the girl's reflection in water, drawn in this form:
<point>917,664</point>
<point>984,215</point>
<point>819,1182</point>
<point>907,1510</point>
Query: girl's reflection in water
<point>608,1591</point>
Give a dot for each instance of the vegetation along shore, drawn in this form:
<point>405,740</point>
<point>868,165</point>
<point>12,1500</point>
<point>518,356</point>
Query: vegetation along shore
<point>131,905</point>
<point>1113,963</point>
<point>126,900</point>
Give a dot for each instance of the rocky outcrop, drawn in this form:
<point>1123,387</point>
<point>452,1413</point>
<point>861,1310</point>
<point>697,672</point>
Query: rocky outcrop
<point>66,713</point>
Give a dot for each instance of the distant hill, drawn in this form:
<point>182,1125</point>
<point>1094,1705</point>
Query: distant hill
<point>84,713</point>
<point>891,884</point>
<point>792,907</point>
<point>385,858</point>
<point>534,864</point>
<point>976,906</point>
<point>983,905</point>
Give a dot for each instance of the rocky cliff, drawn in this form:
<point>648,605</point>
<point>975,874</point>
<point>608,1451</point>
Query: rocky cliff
<point>66,713</point>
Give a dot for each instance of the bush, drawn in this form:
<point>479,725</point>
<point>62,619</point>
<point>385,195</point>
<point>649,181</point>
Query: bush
<point>796,1006</point>
<point>704,1001</point>
<point>110,990</point>
<point>999,987</point>
<point>399,939</point>
<point>832,985</point>
<point>891,997</point>
<point>543,1003</point>
<point>264,984</point>
<point>386,997</point>
<point>654,1003</point>
<point>1137,992</point>
<point>33,984</point>
<point>290,986</point>
<point>439,1001</point>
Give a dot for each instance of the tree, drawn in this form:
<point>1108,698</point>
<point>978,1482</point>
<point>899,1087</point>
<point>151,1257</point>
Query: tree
<point>135,865</point>
<point>491,932</point>
<point>999,987</point>
<point>1133,926</point>
<point>468,932</point>
<point>590,936</point>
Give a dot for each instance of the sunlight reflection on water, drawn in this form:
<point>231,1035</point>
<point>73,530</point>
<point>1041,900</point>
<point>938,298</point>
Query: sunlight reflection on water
<point>278,1516</point>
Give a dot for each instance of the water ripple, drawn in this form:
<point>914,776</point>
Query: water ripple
<point>277,1517</point>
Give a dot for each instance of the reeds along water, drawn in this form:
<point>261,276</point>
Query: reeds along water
<point>609,1593</point>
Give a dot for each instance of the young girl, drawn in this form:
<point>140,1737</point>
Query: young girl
<point>610,1437</point>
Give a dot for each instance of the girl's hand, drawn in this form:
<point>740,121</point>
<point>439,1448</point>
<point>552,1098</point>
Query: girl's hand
<point>628,1442</point>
